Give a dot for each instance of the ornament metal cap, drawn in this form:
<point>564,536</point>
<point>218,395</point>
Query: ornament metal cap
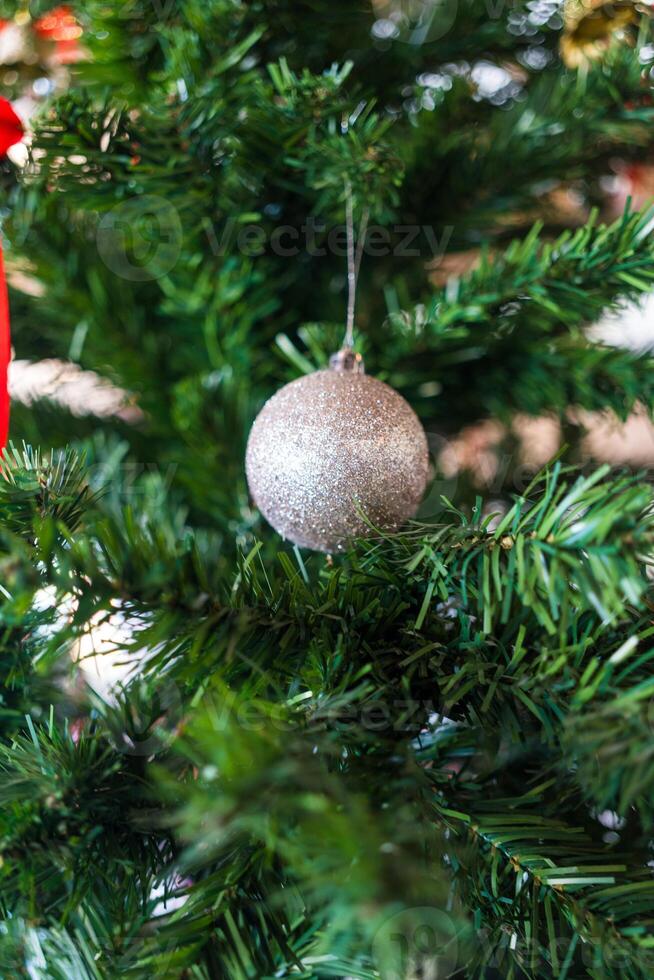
<point>347,359</point>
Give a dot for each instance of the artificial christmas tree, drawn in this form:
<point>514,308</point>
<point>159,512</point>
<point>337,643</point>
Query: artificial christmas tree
<point>429,755</point>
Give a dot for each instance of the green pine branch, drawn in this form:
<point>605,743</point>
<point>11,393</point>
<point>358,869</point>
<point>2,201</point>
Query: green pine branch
<point>519,320</point>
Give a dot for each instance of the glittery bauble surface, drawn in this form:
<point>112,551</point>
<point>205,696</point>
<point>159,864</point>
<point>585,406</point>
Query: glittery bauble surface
<point>331,447</point>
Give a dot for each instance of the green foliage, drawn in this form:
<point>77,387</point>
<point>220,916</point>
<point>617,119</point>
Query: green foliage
<point>439,742</point>
<point>525,310</point>
<point>67,805</point>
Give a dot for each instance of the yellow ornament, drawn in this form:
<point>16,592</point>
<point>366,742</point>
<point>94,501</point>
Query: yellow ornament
<point>590,26</point>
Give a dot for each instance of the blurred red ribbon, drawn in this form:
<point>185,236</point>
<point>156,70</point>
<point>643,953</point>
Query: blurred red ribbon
<point>5,355</point>
<point>11,131</point>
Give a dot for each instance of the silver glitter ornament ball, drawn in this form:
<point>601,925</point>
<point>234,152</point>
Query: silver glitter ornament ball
<point>334,446</point>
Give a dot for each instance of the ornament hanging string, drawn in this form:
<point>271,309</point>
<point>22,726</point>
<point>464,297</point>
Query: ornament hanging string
<point>353,261</point>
